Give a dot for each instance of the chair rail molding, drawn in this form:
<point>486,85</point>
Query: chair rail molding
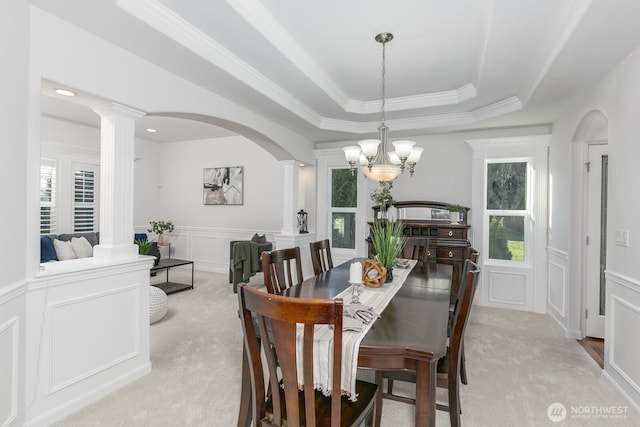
<point>207,247</point>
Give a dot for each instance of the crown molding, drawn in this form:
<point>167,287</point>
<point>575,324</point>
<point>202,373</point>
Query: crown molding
<point>453,119</point>
<point>436,99</point>
<point>164,20</point>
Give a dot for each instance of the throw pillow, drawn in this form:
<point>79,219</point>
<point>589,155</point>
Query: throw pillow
<point>81,247</point>
<point>258,239</point>
<point>64,250</point>
<point>47,250</point>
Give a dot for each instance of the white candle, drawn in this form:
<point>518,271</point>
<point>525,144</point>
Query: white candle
<point>355,272</point>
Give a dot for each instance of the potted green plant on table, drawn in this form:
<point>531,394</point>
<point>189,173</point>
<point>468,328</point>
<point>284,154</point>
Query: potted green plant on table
<point>456,213</point>
<point>143,246</point>
<point>382,196</point>
<point>387,239</point>
<point>159,228</point>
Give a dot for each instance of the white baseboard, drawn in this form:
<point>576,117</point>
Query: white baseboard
<point>62,411</point>
<point>632,403</point>
<point>568,333</point>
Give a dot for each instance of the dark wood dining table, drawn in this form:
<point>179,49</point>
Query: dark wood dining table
<point>411,332</point>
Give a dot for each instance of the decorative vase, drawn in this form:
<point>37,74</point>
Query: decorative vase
<point>389,277</point>
<point>154,251</point>
<point>160,239</point>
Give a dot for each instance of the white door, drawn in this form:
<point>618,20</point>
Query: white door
<point>596,239</point>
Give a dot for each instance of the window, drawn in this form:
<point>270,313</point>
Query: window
<point>84,198</point>
<point>48,196</point>
<point>344,198</point>
<point>506,209</point>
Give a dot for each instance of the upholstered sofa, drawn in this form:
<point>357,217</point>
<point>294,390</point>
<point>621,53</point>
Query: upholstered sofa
<point>72,246</point>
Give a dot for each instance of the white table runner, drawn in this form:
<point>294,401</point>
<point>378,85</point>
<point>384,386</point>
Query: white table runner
<point>377,299</point>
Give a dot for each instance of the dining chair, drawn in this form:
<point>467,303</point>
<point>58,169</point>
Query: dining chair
<point>416,248</point>
<point>282,269</point>
<point>473,257</point>
<point>321,256</point>
<point>449,365</point>
<point>275,318</point>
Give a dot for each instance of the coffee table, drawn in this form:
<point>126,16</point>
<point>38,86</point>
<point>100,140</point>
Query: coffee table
<point>167,264</point>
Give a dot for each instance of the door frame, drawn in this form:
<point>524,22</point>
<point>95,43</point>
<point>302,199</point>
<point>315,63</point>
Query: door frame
<point>584,233</point>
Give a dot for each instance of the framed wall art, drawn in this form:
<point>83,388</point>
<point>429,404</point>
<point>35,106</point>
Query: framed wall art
<point>223,186</point>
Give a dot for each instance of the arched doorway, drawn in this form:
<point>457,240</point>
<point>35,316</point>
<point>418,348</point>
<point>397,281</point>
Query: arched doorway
<point>590,144</point>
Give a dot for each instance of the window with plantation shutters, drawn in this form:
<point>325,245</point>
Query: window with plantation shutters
<point>84,198</point>
<point>48,197</point>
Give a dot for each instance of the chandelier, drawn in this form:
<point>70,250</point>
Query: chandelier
<point>375,161</point>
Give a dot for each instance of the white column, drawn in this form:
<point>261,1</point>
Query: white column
<point>290,197</point>
<point>117,139</point>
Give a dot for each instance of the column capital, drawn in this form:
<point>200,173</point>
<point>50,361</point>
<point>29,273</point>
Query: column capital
<point>113,108</point>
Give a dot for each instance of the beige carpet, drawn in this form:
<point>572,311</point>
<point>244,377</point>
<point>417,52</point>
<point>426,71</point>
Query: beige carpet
<point>518,364</point>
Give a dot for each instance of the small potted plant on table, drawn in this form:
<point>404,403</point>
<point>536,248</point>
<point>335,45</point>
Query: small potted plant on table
<point>159,228</point>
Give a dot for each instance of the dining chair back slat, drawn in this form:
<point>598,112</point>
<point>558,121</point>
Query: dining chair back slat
<point>282,269</point>
<point>276,324</point>
<point>416,248</point>
<point>321,256</point>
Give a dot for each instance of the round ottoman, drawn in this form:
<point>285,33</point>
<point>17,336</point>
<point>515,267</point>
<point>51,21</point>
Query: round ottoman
<point>157,304</point>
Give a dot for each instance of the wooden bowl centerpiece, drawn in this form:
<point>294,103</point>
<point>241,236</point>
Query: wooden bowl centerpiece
<point>373,273</point>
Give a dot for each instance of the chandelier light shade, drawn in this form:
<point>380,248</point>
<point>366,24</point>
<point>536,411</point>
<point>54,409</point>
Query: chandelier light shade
<point>371,154</point>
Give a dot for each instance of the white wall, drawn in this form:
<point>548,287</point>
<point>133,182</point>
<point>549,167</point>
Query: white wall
<point>168,186</point>
<point>616,96</point>
<point>14,151</point>
<point>181,177</point>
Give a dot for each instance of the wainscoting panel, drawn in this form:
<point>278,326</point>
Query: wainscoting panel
<point>557,288</point>
<point>9,371</point>
<point>625,342</point>
<point>110,342</point>
<point>88,334</point>
<point>207,247</point>
<point>622,342</point>
<point>508,288</point>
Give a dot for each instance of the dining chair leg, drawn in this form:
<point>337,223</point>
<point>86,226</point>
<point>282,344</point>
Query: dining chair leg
<point>244,414</point>
<point>454,396</point>
<point>378,410</point>
<point>463,366</point>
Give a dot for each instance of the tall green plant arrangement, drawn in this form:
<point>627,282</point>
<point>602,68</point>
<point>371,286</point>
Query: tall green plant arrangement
<point>388,239</point>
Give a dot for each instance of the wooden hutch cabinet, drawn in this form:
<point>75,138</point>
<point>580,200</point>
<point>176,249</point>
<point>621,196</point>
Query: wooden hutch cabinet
<point>448,241</point>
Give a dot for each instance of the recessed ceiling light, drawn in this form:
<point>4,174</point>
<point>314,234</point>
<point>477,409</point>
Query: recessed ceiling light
<point>151,130</point>
<point>65,92</point>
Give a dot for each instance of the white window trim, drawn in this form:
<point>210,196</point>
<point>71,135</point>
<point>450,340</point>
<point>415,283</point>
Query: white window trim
<point>51,163</point>
<point>96,195</point>
<point>534,147</point>
<point>334,158</point>
<point>526,213</point>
